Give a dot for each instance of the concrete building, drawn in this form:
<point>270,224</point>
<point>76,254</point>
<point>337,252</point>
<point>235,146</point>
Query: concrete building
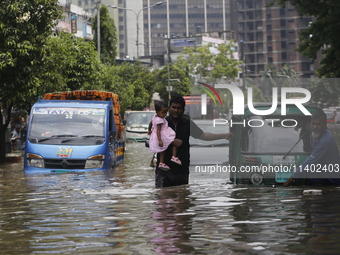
<point>90,6</point>
<point>174,46</point>
<point>269,36</point>
<point>75,20</point>
<point>266,35</point>
<point>125,14</point>
<point>185,18</point>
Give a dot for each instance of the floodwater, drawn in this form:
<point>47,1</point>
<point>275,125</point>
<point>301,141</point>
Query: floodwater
<point>120,212</point>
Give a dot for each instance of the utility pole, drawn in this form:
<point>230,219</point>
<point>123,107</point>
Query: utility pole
<point>242,58</point>
<point>169,60</point>
<point>137,19</point>
<point>98,27</point>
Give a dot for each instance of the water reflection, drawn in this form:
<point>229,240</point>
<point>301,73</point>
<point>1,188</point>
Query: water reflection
<point>120,212</point>
<point>283,220</point>
<point>173,221</point>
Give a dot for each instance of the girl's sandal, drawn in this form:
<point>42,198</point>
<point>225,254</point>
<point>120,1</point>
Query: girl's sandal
<point>176,160</point>
<point>163,167</point>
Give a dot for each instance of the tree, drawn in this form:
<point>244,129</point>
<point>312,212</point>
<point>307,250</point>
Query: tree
<point>290,76</point>
<point>321,35</point>
<point>195,61</point>
<point>285,77</point>
<point>71,63</point>
<point>108,36</point>
<point>133,83</point>
<point>25,26</point>
<point>202,62</point>
<point>257,94</point>
<point>224,63</point>
<point>325,92</point>
<point>211,66</point>
<point>180,86</point>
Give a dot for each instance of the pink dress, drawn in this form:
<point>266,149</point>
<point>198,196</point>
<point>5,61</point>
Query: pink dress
<point>167,134</point>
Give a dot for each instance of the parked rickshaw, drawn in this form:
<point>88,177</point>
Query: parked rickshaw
<point>265,150</point>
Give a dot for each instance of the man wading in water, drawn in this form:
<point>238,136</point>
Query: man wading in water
<point>184,128</point>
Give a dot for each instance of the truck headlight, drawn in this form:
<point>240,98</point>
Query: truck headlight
<point>35,160</point>
<point>96,161</point>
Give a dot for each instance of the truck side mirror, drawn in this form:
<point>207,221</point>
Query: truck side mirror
<point>124,122</point>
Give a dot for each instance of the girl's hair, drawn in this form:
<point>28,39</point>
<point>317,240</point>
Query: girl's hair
<point>159,105</point>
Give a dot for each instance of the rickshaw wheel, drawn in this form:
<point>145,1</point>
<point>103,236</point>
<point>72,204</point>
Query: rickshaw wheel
<point>256,179</point>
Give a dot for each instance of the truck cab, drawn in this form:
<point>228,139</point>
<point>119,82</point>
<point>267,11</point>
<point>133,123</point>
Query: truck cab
<point>73,135</point>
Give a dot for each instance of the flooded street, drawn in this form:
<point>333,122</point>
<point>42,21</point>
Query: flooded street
<point>120,212</point>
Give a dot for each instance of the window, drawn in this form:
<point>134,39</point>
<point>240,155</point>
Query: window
<point>282,12</point>
<point>283,33</point>
<point>278,139</point>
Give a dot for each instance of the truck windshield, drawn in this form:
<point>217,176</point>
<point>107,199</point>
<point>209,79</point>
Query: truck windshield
<point>277,135</point>
<point>66,122</point>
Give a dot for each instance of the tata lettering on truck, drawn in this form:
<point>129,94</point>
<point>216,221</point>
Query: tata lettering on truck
<point>75,130</point>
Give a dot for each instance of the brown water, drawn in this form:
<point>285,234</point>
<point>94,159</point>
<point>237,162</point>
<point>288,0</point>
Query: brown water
<point>120,212</point>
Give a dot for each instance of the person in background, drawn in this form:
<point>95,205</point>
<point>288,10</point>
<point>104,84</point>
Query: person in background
<point>184,128</point>
<point>16,138</point>
<point>325,156</point>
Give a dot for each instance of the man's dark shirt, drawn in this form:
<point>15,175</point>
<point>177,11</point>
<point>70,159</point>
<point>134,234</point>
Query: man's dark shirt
<point>178,175</point>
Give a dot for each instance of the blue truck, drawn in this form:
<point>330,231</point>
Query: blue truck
<point>74,131</point>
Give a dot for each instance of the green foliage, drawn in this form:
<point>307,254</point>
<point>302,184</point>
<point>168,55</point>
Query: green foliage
<point>25,26</point>
<point>285,77</point>
<point>257,94</point>
<point>71,64</point>
<point>180,87</point>
<point>325,92</point>
<point>321,35</point>
<point>202,63</point>
<point>224,63</point>
<point>108,36</point>
<point>132,82</point>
